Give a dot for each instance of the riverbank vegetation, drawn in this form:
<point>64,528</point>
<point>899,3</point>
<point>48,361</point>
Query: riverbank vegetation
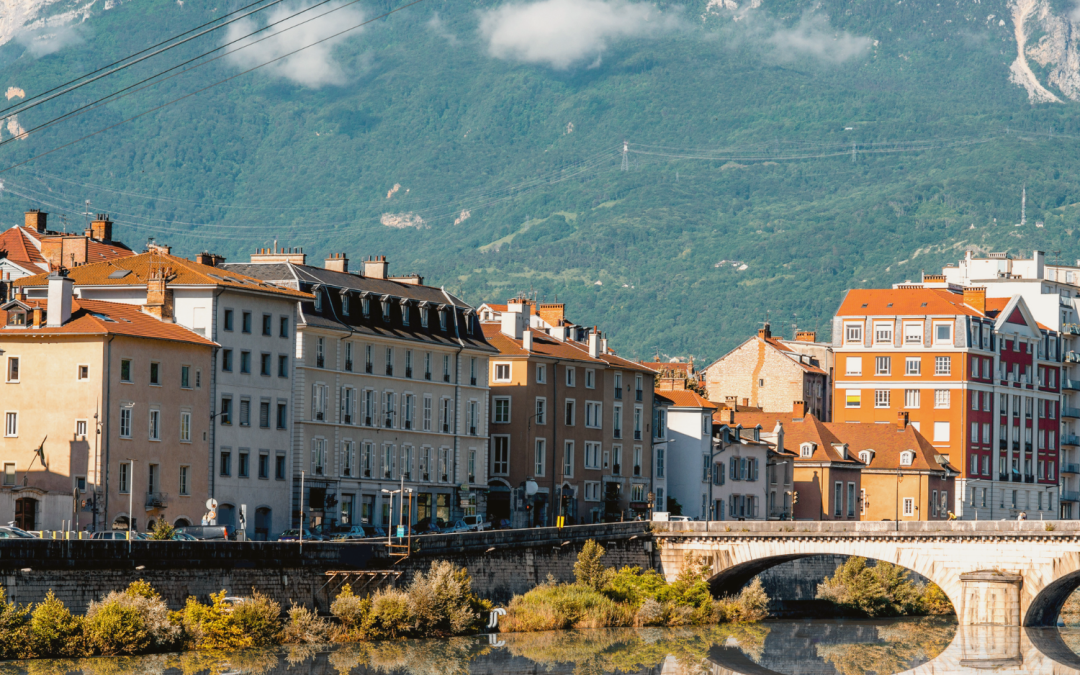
<point>881,590</point>
<point>602,597</point>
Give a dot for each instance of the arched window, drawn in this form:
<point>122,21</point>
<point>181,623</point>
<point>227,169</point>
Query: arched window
<point>907,458</point>
<point>26,513</point>
<point>806,450</point>
<point>866,456</point>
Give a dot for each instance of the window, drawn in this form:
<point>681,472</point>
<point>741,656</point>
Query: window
<point>806,450</point>
<point>616,421</point>
<point>590,378</point>
<point>185,377</point>
<point>243,465</point>
<point>593,415</point>
<point>838,499</point>
<point>125,476</point>
<point>410,411</point>
<point>942,333</point>
<point>282,416</point>
<point>637,423</point>
<point>11,424</point>
<point>911,398</point>
<point>913,333</point>
<point>616,456</point>
<point>227,319</point>
<point>264,465</point>
<point>446,368</point>
<point>226,463</point>
<point>246,327</point>
<point>318,457</point>
<point>125,422</point>
<point>541,373</point>
<point>592,491</point>
<point>389,360</point>
<point>659,462</point>
<point>569,417</point>
<point>571,374</point>
<point>941,398</point>
<point>267,325</point>
<point>541,411</point>
<point>851,500</point>
<point>320,393</point>
<point>279,467</point>
<point>367,459</point>
<point>447,415</point>
<point>909,506</point>
<point>881,398</point>
<point>853,398</point>
<point>913,365</point>
<point>125,370</point>
<point>155,424</point>
<point>226,410</point>
<point>283,327</point>
<point>80,428</point>
<point>226,360</point>
<point>245,412</point>
<point>942,365</point>
<point>500,456</point>
<point>427,413</point>
<point>84,373</point>
<point>388,410</point>
<point>320,352</point>
<point>883,333</point>
<point>185,427</point>
<point>348,452</point>
<point>264,414</point>
<point>502,411</point>
<point>185,483</point>
<point>592,455</point>
<point>854,365</point>
<point>408,365</point>
<point>540,457</point>
<point>941,432</point>
<point>264,364</point>
<point>882,365</point>
<point>245,362</point>
<point>568,460</point>
<point>472,417</point>
<point>853,333</point>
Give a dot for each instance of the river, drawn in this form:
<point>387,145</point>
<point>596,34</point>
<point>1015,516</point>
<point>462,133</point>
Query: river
<point>920,646</point>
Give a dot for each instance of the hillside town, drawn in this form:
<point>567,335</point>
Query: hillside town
<point>279,394</point>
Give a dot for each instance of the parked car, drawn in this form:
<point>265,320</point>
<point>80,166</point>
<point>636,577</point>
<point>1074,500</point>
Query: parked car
<point>426,526</point>
<point>680,519</point>
<point>114,535</point>
<point>183,536</point>
<point>294,535</point>
<point>374,531</point>
<point>208,532</point>
<point>469,524</point>
<point>15,533</point>
<point>349,533</point>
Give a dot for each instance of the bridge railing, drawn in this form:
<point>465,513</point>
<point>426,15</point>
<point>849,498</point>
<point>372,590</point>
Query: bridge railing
<point>796,527</point>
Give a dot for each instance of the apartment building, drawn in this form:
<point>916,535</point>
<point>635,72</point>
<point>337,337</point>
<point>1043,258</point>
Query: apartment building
<point>979,377</point>
<point>1050,291</point>
<point>32,248</point>
<point>104,409</point>
<point>391,389</point>
<point>773,374</point>
<point>569,415</point>
<point>251,381</point>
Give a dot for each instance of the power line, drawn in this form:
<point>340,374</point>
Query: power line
<point>219,82</point>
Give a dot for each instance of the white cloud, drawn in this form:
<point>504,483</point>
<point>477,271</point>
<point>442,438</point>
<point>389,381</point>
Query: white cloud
<point>315,66</point>
<point>46,41</point>
<point>563,33</point>
<point>438,26</point>
<point>814,37</point>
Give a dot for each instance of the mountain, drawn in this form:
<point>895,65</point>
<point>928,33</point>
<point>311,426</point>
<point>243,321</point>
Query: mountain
<point>778,151</point>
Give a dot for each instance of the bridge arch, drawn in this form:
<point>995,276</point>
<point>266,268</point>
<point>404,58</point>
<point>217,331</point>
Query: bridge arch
<point>1045,606</point>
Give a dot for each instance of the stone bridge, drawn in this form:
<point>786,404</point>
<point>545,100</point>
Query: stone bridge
<point>1005,573</point>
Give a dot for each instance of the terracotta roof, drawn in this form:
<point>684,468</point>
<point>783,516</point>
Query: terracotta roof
<point>994,306</point>
<point>684,398</point>
<point>793,355</point>
<point>16,245</point>
<point>673,366</point>
<point>546,346</point>
<point>887,441</point>
<point>97,317</point>
<point>493,306</point>
<point>904,302</point>
<point>184,273</point>
<point>798,431</point>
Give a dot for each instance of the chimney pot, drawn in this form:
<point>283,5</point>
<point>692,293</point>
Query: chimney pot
<point>337,262</point>
<point>101,228</point>
<point>376,268</point>
<point>766,332</point>
<point>36,220</point>
<point>806,336</point>
<point>798,410</point>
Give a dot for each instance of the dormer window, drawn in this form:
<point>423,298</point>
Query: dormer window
<point>365,306</point>
<point>423,316</point>
<point>16,318</point>
<point>386,309</point>
<point>866,456</point>
<point>318,300</point>
<point>345,304</point>
<point>907,458</point>
<point>806,450</point>
<point>442,319</point>
<point>404,312</point>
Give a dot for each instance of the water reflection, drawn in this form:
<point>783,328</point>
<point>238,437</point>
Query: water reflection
<point>812,647</point>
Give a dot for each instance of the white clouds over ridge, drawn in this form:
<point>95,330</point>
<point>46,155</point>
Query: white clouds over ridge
<point>564,33</point>
<point>814,37</point>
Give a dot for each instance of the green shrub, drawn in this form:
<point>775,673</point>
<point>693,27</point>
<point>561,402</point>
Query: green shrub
<point>751,604</point>
<point>257,617</point>
<point>589,570</point>
<point>633,586</point>
<point>305,627</point>
<point>691,587</point>
<point>556,607</point>
<point>213,626</point>
<point>881,590</point>
<point>934,601</point>
<point>162,531</point>
<point>390,616</point>
<point>349,608</point>
<point>54,630</point>
<point>14,629</point>
<point>116,628</point>
<point>442,603</point>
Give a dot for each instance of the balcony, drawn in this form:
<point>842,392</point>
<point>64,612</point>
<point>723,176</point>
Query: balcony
<point>1003,477</point>
<point>1066,383</point>
<point>1070,328</point>
<point>1070,439</point>
<point>348,366</point>
<point>1070,496</point>
<point>1066,411</point>
<point>427,376</point>
<point>157,500</point>
<point>1070,468</point>
<point>1071,357</point>
<point>1003,444</point>
<point>1029,478</point>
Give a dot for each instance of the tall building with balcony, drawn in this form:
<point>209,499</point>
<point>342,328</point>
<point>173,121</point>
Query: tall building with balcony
<point>979,377</point>
<point>391,390</point>
<point>1050,291</point>
<point>569,415</point>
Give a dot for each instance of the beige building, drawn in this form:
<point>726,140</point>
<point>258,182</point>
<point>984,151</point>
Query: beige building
<point>104,405</point>
<point>570,415</point>
<point>772,374</point>
<point>390,389</point>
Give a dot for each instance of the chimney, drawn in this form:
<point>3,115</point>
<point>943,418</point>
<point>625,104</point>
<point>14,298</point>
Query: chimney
<point>101,228</point>
<point>526,340</point>
<point>516,318</point>
<point>60,290</point>
<point>594,344</point>
<point>553,313</point>
<point>731,402</point>
<point>603,345</point>
<point>746,403</point>
<point>377,268</point>
<point>337,262</point>
<point>36,220</point>
<point>280,254</point>
<point>35,317</point>
<point>159,297</point>
<point>766,332</point>
<point>806,336</point>
<point>205,258</point>
<point>798,410</point>
<point>901,420</point>
<point>727,417</point>
<point>975,297</point>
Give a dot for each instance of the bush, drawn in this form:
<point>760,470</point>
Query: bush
<point>589,570</point>
<point>390,616</point>
<point>934,600</point>
<point>305,627</point>
<point>556,607</point>
<point>631,585</point>
<point>751,604</point>
<point>651,613</point>
<point>881,590</point>
<point>162,531</point>
<point>213,626</point>
<point>14,629</point>
<point>55,631</point>
<point>257,617</point>
<point>691,587</point>
<point>116,628</point>
<point>350,609</point>
<point>442,603</point>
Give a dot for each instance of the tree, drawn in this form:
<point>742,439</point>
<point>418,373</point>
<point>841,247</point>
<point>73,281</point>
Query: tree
<point>589,570</point>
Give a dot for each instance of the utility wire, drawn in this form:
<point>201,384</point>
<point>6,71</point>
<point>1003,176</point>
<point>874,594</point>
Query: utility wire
<point>119,94</point>
<point>23,104</point>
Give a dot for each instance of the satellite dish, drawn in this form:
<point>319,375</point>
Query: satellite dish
<point>211,503</point>
<point>530,488</point>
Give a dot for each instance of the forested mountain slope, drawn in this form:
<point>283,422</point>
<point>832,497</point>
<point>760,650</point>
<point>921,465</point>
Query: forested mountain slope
<point>810,146</point>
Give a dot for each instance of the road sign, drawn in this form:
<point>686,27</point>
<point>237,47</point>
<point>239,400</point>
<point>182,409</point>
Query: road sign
<point>400,530</point>
<point>211,503</point>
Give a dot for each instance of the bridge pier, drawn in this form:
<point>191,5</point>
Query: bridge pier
<point>990,598</point>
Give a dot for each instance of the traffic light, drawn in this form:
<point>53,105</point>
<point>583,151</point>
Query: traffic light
<point>795,497</point>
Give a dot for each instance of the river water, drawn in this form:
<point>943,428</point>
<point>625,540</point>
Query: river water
<point>921,646</point>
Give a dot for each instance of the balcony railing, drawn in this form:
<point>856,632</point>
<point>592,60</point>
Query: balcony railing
<point>157,500</point>
<point>1070,329</point>
<point>1066,411</point>
<point>1070,468</point>
<point>1070,439</point>
<point>1070,496</point>
<point>1066,383</point>
<point>1071,357</point>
